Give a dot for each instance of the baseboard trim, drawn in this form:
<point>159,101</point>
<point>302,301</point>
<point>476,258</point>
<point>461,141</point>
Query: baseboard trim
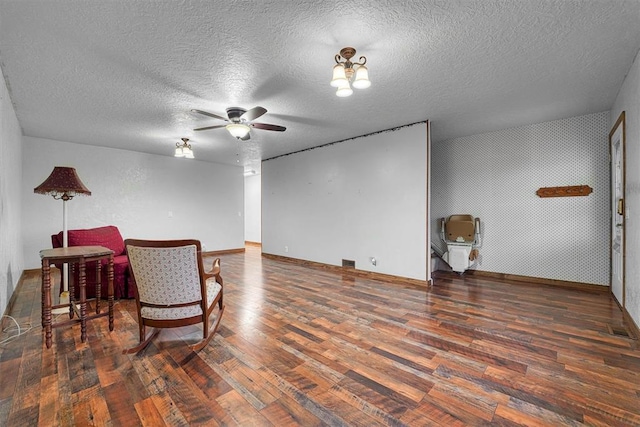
<point>633,327</point>
<point>587,287</point>
<point>347,270</point>
<point>250,243</point>
<point>223,252</point>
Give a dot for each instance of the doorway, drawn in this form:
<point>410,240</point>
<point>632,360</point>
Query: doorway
<point>618,209</point>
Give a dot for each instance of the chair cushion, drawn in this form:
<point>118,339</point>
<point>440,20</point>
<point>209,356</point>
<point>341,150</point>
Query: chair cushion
<point>108,236</point>
<point>155,313</point>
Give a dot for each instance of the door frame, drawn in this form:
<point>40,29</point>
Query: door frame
<point>620,125</point>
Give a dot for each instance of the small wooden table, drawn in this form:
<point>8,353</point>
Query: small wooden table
<point>79,255</point>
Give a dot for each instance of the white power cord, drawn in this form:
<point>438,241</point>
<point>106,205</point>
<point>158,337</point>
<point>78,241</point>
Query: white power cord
<point>21,331</point>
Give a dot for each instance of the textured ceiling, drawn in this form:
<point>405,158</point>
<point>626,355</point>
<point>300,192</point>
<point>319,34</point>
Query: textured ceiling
<point>125,74</point>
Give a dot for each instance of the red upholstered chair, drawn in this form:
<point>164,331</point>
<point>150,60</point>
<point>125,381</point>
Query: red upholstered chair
<point>109,237</point>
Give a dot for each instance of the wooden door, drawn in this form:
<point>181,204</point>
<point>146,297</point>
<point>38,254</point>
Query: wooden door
<point>616,142</point>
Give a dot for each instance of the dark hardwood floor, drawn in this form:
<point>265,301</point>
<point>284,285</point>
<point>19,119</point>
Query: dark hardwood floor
<point>303,346</point>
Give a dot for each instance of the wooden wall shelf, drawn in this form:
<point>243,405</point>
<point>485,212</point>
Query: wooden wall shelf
<point>570,191</point>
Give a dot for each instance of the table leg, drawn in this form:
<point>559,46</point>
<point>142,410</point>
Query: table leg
<point>110,291</point>
<point>82,273</point>
<point>98,284</point>
<point>72,292</point>
<point>46,301</point>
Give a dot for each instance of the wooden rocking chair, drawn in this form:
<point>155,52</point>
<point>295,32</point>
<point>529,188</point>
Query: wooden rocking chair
<point>173,289</point>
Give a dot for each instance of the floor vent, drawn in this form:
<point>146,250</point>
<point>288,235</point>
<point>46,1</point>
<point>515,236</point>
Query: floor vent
<point>620,331</point>
<point>347,263</point>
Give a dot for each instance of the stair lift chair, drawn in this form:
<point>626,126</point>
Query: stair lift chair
<point>461,233</point>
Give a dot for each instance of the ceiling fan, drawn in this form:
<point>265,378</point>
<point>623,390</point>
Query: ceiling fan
<point>239,121</point>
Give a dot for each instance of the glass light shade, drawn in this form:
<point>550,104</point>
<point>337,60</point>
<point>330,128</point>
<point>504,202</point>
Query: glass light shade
<point>239,130</point>
<point>362,78</point>
<point>179,152</point>
<point>344,90</point>
<point>339,76</point>
<point>188,153</point>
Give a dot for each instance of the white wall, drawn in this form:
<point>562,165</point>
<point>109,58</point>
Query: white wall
<point>253,208</point>
<point>11,261</point>
<point>628,100</point>
<point>495,176</point>
<point>135,192</point>
<point>353,200</point>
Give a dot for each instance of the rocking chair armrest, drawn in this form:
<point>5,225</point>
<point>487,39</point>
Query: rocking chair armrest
<point>215,271</point>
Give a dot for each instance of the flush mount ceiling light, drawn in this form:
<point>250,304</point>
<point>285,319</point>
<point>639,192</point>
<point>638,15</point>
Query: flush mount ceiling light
<point>184,149</point>
<point>344,72</point>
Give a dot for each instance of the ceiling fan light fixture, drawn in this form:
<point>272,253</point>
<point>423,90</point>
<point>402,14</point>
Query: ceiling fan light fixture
<point>179,152</point>
<point>238,130</point>
<point>240,121</point>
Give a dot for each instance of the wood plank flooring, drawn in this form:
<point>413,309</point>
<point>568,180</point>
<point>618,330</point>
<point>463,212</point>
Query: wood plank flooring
<point>308,347</point>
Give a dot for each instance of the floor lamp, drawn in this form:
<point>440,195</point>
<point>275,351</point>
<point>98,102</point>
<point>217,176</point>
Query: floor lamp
<point>63,184</point>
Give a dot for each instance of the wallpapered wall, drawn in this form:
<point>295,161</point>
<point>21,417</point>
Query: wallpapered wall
<point>495,176</point>
<point>628,100</point>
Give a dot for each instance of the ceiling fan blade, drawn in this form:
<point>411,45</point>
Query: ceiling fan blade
<point>246,137</point>
<point>215,116</point>
<point>266,126</point>
<point>211,127</point>
<point>253,114</point>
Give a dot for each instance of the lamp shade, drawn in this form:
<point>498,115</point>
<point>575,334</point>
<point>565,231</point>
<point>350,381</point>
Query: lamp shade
<point>239,130</point>
<point>344,90</point>
<point>188,152</point>
<point>362,78</point>
<point>339,76</point>
<point>63,183</point>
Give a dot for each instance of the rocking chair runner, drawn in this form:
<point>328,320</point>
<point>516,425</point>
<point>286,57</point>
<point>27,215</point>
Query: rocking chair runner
<point>173,288</point>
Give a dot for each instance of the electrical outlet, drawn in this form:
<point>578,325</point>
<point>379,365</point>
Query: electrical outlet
<point>286,248</point>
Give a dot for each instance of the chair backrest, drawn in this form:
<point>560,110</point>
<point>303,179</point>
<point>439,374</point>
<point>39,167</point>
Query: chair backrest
<point>460,228</point>
<point>108,236</point>
<point>166,273</point>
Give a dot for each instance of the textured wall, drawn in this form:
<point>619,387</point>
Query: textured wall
<point>135,192</point>
<point>495,175</point>
<point>11,261</point>
<point>252,208</point>
<point>629,101</point>
<point>353,200</point>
